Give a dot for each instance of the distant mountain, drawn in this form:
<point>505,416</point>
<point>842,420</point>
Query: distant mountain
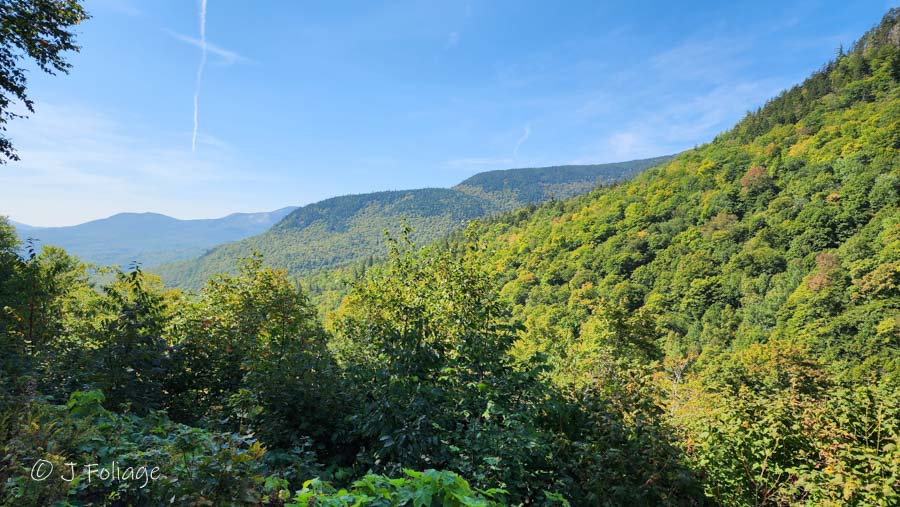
<point>149,238</point>
<point>20,227</point>
<point>346,229</point>
<point>537,184</point>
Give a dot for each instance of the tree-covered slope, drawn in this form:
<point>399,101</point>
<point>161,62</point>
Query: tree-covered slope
<point>786,227</point>
<point>149,238</point>
<point>350,228</point>
<point>514,188</point>
<point>722,330</point>
<point>759,273</point>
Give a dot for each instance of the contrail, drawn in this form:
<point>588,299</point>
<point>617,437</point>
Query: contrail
<point>199,72</point>
<point>522,139</point>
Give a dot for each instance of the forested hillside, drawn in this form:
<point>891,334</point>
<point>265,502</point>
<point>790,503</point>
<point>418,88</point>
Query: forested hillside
<point>347,229</point>
<point>149,238</point>
<point>761,275</point>
<point>783,230</point>
<point>724,329</point>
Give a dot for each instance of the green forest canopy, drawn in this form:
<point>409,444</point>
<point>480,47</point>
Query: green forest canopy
<point>349,229</point>
<point>723,329</point>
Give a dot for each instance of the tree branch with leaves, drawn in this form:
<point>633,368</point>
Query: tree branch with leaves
<point>37,30</point>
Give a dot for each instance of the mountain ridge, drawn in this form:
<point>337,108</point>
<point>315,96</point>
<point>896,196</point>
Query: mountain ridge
<point>344,229</point>
<point>147,237</point>
<point>782,231</point>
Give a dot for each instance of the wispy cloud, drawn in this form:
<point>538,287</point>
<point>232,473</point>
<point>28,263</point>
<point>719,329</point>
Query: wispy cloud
<point>452,40</point>
<point>227,56</point>
<point>526,131</point>
<point>680,97</point>
<point>79,164</point>
<point>680,124</point>
<point>496,162</point>
<point>478,162</point>
<point>704,59</point>
<point>203,48</point>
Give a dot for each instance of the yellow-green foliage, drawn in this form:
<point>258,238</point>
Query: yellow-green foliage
<point>723,329</point>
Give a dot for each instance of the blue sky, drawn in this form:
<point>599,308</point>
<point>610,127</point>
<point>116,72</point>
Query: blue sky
<point>301,101</point>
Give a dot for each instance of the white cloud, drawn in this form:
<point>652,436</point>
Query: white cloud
<point>204,47</point>
<point>681,124</point>
<point>679,98</point>
<point>78,164</point>
<point>226,56</point>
